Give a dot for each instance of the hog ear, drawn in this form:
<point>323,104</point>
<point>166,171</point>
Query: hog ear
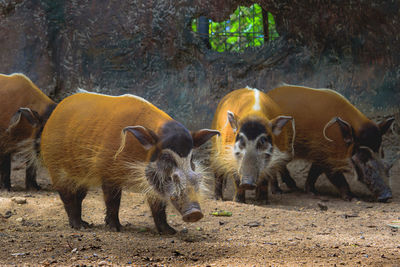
<point>232,118</point>
<point>202,136</point>
<point>146,137</point>
<point>30,115</point>
<point>278,123</point>
<point>346,130</point>
<point>385,125</point>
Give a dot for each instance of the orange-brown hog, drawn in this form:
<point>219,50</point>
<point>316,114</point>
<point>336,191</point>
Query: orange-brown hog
<point>254,144</point>
<point>92,139</point>
<point>331,132</point>
<point>23,111</point>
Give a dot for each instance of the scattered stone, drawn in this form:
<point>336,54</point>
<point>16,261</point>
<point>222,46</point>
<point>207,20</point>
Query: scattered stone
<point>19,254</point>
<point>19,219</point>
<point>177,253</point>
<point>322,207</point>
<point>349,216</point>
<point>252,224</point>
<point>102,263</point>
<point>19,200</point>
<point>8,214</point>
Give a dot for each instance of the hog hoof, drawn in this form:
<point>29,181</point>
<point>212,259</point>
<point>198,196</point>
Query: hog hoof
<point>276,190</point>
<point>347,197</point>
<point>33,186</point>
<point>166,230</point>
<point>116,227</point>
<point>239,199</point>
<point>80,224</point>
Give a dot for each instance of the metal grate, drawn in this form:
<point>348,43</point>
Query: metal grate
<point>246,27</point>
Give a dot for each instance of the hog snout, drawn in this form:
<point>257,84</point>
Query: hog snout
<point>192,213</point>
<point>385,196</point>
<point>247,183</point>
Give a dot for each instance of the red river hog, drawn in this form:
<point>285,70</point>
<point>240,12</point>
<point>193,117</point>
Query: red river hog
<point>333,135</point>
<point>23,111</point>
<point>116,141</point>
<point>253,144</point>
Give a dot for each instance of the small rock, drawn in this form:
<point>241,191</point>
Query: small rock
<point>252,224</point>
<point>322,207</point>
<point>19,200</point>
<point>18,254</point>
<point>74,250</point>
<point>19,219</point>
<point>8,214</point>
<point>102,263</point>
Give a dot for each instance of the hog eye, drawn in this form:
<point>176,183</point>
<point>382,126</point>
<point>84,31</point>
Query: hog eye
<point>168,159</point>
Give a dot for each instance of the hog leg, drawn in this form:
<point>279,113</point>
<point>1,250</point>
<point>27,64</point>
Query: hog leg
<point>158,207</point>
<point>262,191</point>
<point>288,180</point>
<point>339,181</point>
<point>5,171</point>
<point>112,198</point>
<point>275,189</point>
<point>73,206</point>
<point>219,181</point>
<point>313,174</point>
<point>240,194</point>
<point>30,178</point>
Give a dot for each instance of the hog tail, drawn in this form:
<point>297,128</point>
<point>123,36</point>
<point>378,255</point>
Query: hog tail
<point>293,136</point>
<point>332,121</point>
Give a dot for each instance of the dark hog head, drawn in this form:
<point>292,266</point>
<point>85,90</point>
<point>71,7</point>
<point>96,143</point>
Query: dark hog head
<point>367,155</point>
<point>171,171</point>
<point>254,146</point>
<point>22,123</point>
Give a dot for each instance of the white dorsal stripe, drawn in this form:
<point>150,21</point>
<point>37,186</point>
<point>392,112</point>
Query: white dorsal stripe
<point>256,98</point>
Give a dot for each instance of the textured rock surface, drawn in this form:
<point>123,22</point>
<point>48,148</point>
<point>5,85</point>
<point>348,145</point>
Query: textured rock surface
<point>146,47</point>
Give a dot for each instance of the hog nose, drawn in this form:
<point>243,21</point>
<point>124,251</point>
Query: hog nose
<point>385,196</point>
<point>193,214</point>
<point>247,183</point>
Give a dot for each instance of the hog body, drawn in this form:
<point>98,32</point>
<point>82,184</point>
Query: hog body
<point>254,144</point>
<point>112,142</point>
<point>331,133</point>
<point>23,111</point>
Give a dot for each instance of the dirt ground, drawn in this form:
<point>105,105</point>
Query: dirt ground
<point>294,229</point>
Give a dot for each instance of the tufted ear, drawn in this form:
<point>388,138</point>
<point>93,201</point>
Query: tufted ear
<point>385,125</point>
<point>277,124</point>
<point>202,136</point>
<point>146,137</point>
<point>233,121</point>
<point>30,115</point>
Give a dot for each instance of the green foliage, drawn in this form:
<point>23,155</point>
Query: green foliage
<point>245,28</point>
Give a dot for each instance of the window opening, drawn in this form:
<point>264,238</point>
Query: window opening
<point>246,27</point>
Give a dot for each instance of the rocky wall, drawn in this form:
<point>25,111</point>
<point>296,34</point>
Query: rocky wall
<point>147,47</point>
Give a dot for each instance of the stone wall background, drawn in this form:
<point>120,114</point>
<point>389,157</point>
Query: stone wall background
<point>147,47</point>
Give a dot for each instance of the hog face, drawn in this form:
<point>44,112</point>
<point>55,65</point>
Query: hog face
<point>170,170</point>
<point>174,178</point>
<point>371,171</point>
<point>254,146</point>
